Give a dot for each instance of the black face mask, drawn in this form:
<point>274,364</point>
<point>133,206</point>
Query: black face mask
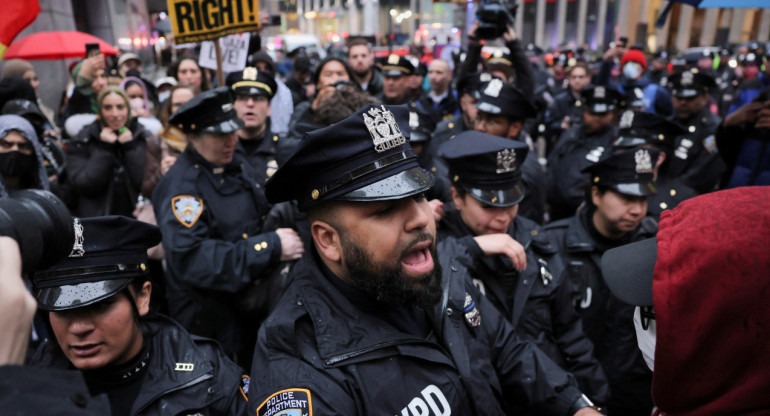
<point>16,164</point>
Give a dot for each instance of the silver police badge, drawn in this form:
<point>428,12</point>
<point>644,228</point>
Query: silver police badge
<point>643,161</point>
<point>384,129</point>
<point>506,161</point>
<point>472,314</point>
<point>687,78</point>
<point>414,120</point>
<point>626,119</point>
<point>599,92</point>
<point>77,248</point>
<point>494,87</point>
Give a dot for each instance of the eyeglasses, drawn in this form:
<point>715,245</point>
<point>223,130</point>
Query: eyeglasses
<point>647,315</point>
<point>24,147</point>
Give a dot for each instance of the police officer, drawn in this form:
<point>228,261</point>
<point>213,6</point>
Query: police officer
<point>646,130</point>
<point>253,90</point>
<point>366,328</point>
<point>515,266</point>
<point>502,111</point>
<point>211,207</point>
<point>421,126</point>
<point>396,72</point>
<point>696,159</point>
<point>580,146</point>
<point>567,108</point>
<point>98,302</point>
<point>615,215</point>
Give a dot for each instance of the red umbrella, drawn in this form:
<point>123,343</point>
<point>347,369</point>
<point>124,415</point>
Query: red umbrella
<point>56,45</point>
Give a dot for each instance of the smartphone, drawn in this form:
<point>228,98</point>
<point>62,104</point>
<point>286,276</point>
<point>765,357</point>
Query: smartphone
<point>92,49</point>
<point>623,41</point>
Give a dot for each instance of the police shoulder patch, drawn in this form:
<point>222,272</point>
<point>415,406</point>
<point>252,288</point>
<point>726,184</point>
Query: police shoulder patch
<point>289,402</point>
<point>187,209</point>
<point>244,386</point>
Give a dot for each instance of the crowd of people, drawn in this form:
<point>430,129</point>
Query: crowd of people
<point>405,235</point>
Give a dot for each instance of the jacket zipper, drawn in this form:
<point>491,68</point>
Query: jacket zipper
<point>165,392</point>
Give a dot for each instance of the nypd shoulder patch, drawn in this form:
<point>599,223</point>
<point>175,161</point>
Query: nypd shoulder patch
<point>290,402</point>
<point>187,209</point>
<point>244,386</point>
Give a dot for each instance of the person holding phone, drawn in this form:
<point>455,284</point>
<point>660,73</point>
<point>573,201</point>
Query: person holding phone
<point>108,160</point>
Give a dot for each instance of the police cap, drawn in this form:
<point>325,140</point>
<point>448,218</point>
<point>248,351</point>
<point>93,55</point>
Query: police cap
<point>600,99</point>
<point>396,66</point>
<point>421,126</point>
<point>633,99</point>
<point>486,166</point>
<point>251,81</point>
<point>210,111</point>
<point>638,128</point>
<point>365,157</point>
<point>690,84</point>
<point>502,98</point>
<point>628,172</point>
<point>469,84</point>
<point>109,252</point>
<point>500,58</point>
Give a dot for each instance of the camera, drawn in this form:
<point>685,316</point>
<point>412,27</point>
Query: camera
<point>41,224</point>
<point>494,18</point>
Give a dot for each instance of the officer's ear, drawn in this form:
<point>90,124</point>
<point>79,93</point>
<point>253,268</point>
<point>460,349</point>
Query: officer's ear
<point>142,298</point>
<point>514,128</point>
<point>459,201</point>
<point>327,240</point>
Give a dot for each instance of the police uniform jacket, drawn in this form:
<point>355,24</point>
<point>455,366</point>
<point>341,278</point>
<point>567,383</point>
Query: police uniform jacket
<point>27,390</point>
<point>445,109</point>
<point>211,219</point>
<point>574,151</point>
<point>533,177</point>
<point>565,104</point>
<point>106,178</point>
<point>695,159</point>
<point>534,300</point>
<point>607,320</point>
<point>319,347</point>
<point>259,152</point>
<point>446,130</point>
<point>670,192</point>
<point>210,383</point>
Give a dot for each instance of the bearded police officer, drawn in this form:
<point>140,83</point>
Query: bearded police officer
<point>210,208</point>
<point>695,160</point>
<point>515,266</point>
<point>615,215</point>
<point>580,146</point>
<point>372,324</point>
<point>253,90</point>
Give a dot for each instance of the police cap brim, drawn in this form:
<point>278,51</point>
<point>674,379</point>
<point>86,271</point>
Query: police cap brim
<point>401,185</point>
<point>498,197</point>
<point>227,126</point>
<point>61,298</point>
<point>632,188</point>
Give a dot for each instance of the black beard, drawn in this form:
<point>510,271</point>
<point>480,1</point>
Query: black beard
<point>387,283</point>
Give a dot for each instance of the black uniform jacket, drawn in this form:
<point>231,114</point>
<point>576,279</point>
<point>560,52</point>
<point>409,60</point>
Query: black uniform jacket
<point>565,104</point>
<point>259,152</point>
<point>32,391</point>
<point>607,320</point>
<point>695,159</point>
<point>574,151</point>
<point>210,383</point>
<point>669,193</point>
<point>318,351</point>
<point>211,219</point>
<point>534,300</point>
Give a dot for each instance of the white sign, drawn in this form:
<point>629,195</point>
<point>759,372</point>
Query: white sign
<point>235,50</point>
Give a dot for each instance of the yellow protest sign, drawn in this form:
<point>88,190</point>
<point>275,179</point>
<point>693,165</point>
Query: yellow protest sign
<point>199,20</point>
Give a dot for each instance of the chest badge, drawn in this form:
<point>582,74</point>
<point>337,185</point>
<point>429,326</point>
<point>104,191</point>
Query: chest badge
<point>472,314</point>
<point>184,367</point>
<point>545,272</point>
<point>187,209</point>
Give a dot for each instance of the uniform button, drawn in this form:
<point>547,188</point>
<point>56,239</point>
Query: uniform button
<point>451,125</point>
<point>449,311</point>
<point>673,192</point>
<point>525,281</point>
<point>264,244</point>
<point>263,217</point>
<point>196,166</point>
<point>275,138</point>
<point>245,236</point>
<point>257,247</point>
<point>79,399</point>
<point>691,129</point>
<point>433,169</point>
<point>211,390</point>
<point>299,301</point>
<point>663,205</point>
<point>454,269</point>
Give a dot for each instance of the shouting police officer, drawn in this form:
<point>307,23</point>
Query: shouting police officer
<point>371,324</point>
<point>211,207</point>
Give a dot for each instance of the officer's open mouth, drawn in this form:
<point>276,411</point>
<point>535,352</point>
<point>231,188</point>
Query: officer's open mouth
<point>418,260</point>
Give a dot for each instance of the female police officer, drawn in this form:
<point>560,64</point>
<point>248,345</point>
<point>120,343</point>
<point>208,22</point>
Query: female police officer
<point>512,263</point>
<point>98,301</point>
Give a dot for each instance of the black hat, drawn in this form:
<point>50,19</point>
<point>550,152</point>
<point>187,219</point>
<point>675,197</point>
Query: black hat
<point>600,99</point>
<point>487,166</point>
<point>109,252</point>
<point>365,157</point>
<point>502,98</point>
<point>690,84</point>
<point>27,109</point>
<point>660,55</point>
<point>397,66</point>
<point>639,127</point>
<point>750,58</point>
<point>210,111</point>
<point>500,58</point>
<point>633,99</point>
<point>628,271</point>
<point>629,172</point>
<point>262,56</point>
<point>469,84</point>
<point>421,126</point>
<point>251,81</point>
<point>420,68</point>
